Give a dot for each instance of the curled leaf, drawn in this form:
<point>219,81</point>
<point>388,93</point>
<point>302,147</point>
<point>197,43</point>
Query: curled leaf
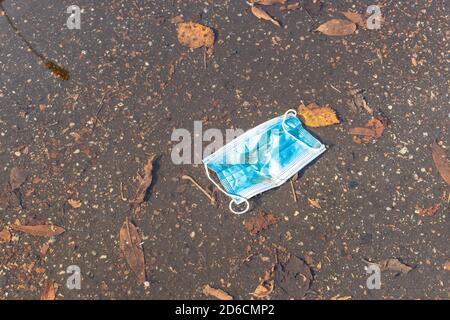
<point>374,130</point>
<point>44,230</point>
<point>216,293</point>
<point>316,116</point>
<point>266,286</point>
<point>130,245</point>
<point>337,27</point>
<point>441,162</point>
<point>57,70</point>
<point>145,183</point>
<point>261,14</point>
<point>394,265</point>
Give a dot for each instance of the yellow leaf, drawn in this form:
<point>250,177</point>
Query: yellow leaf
<point>314,203</point>
<point>195,35</point>
<point>316,116</point>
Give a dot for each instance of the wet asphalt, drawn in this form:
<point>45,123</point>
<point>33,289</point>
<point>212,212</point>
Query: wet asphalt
<point>131,84</point>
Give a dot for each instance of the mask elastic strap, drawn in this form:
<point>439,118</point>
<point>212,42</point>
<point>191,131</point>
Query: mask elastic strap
<point>230,206</point>
<point>283,124</point>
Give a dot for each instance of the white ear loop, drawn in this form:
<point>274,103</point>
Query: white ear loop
<point>230,206</point>
<point>283,125</point>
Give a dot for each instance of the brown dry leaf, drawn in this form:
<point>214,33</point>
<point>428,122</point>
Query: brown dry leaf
<point>5,235</point>
<point>261,14</point>
<point>314,203</point>
<point>17,177</point>
<point>44,230</point>
<point>50,288</point>
<point>195,35</point>
<point>337,27</point>
<point>216,293</point>
<point>441,162</point>
<point>373,130</point>
<point>357,18</point>
<point>130,245</point>
<point>74,203</point>
<point>394,265</point>
<point>259,222</point>
<point>145,183</point>
<point>316,116</point>
<point>269,2</point>
<point>427,212</point>
<point>266,286</point>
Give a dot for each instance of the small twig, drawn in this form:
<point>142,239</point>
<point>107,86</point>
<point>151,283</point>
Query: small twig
<point>121,193</point>
<point>293,191</point>
<point>205,192</point>
<point>335,88</point>
<point>204,57</point>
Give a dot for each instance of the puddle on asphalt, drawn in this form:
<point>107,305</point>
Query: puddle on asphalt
<point>58,71</point>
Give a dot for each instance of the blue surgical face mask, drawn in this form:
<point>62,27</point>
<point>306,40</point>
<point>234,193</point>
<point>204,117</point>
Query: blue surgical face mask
<point>262,158</point>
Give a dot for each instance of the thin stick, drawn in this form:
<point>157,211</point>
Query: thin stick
<point>293,191</point>
<point>205,192</point>
<point>335,88</point>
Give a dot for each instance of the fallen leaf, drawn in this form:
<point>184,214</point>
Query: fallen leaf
<point>130,245</point>
<point>50,288</point>
<point>17,177</point>
<point>316,116</point>
<point>414,61</point>
<point>357,101</point>
<point>74,203</point>
<point>266,286</point>
<point>441,162</point>
<point>195,35</point>
<point>5,235</point>
<point>427,212</point>
<point>261,14</point>
<point>394,265</point>
<point>259,222</point>
<point>216,293</point>
<point>44,230</point>
<point>58,71</point>
<point>337,27</point>
<point>145,183</point>
<point>373,130</point>
<point>314,203</point>
<point>357,18</point>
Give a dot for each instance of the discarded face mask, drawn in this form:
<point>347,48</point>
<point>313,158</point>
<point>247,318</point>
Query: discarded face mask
<point>262,158</point>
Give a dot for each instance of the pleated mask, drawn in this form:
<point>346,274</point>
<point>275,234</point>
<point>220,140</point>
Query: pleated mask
<point>262,158</point>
